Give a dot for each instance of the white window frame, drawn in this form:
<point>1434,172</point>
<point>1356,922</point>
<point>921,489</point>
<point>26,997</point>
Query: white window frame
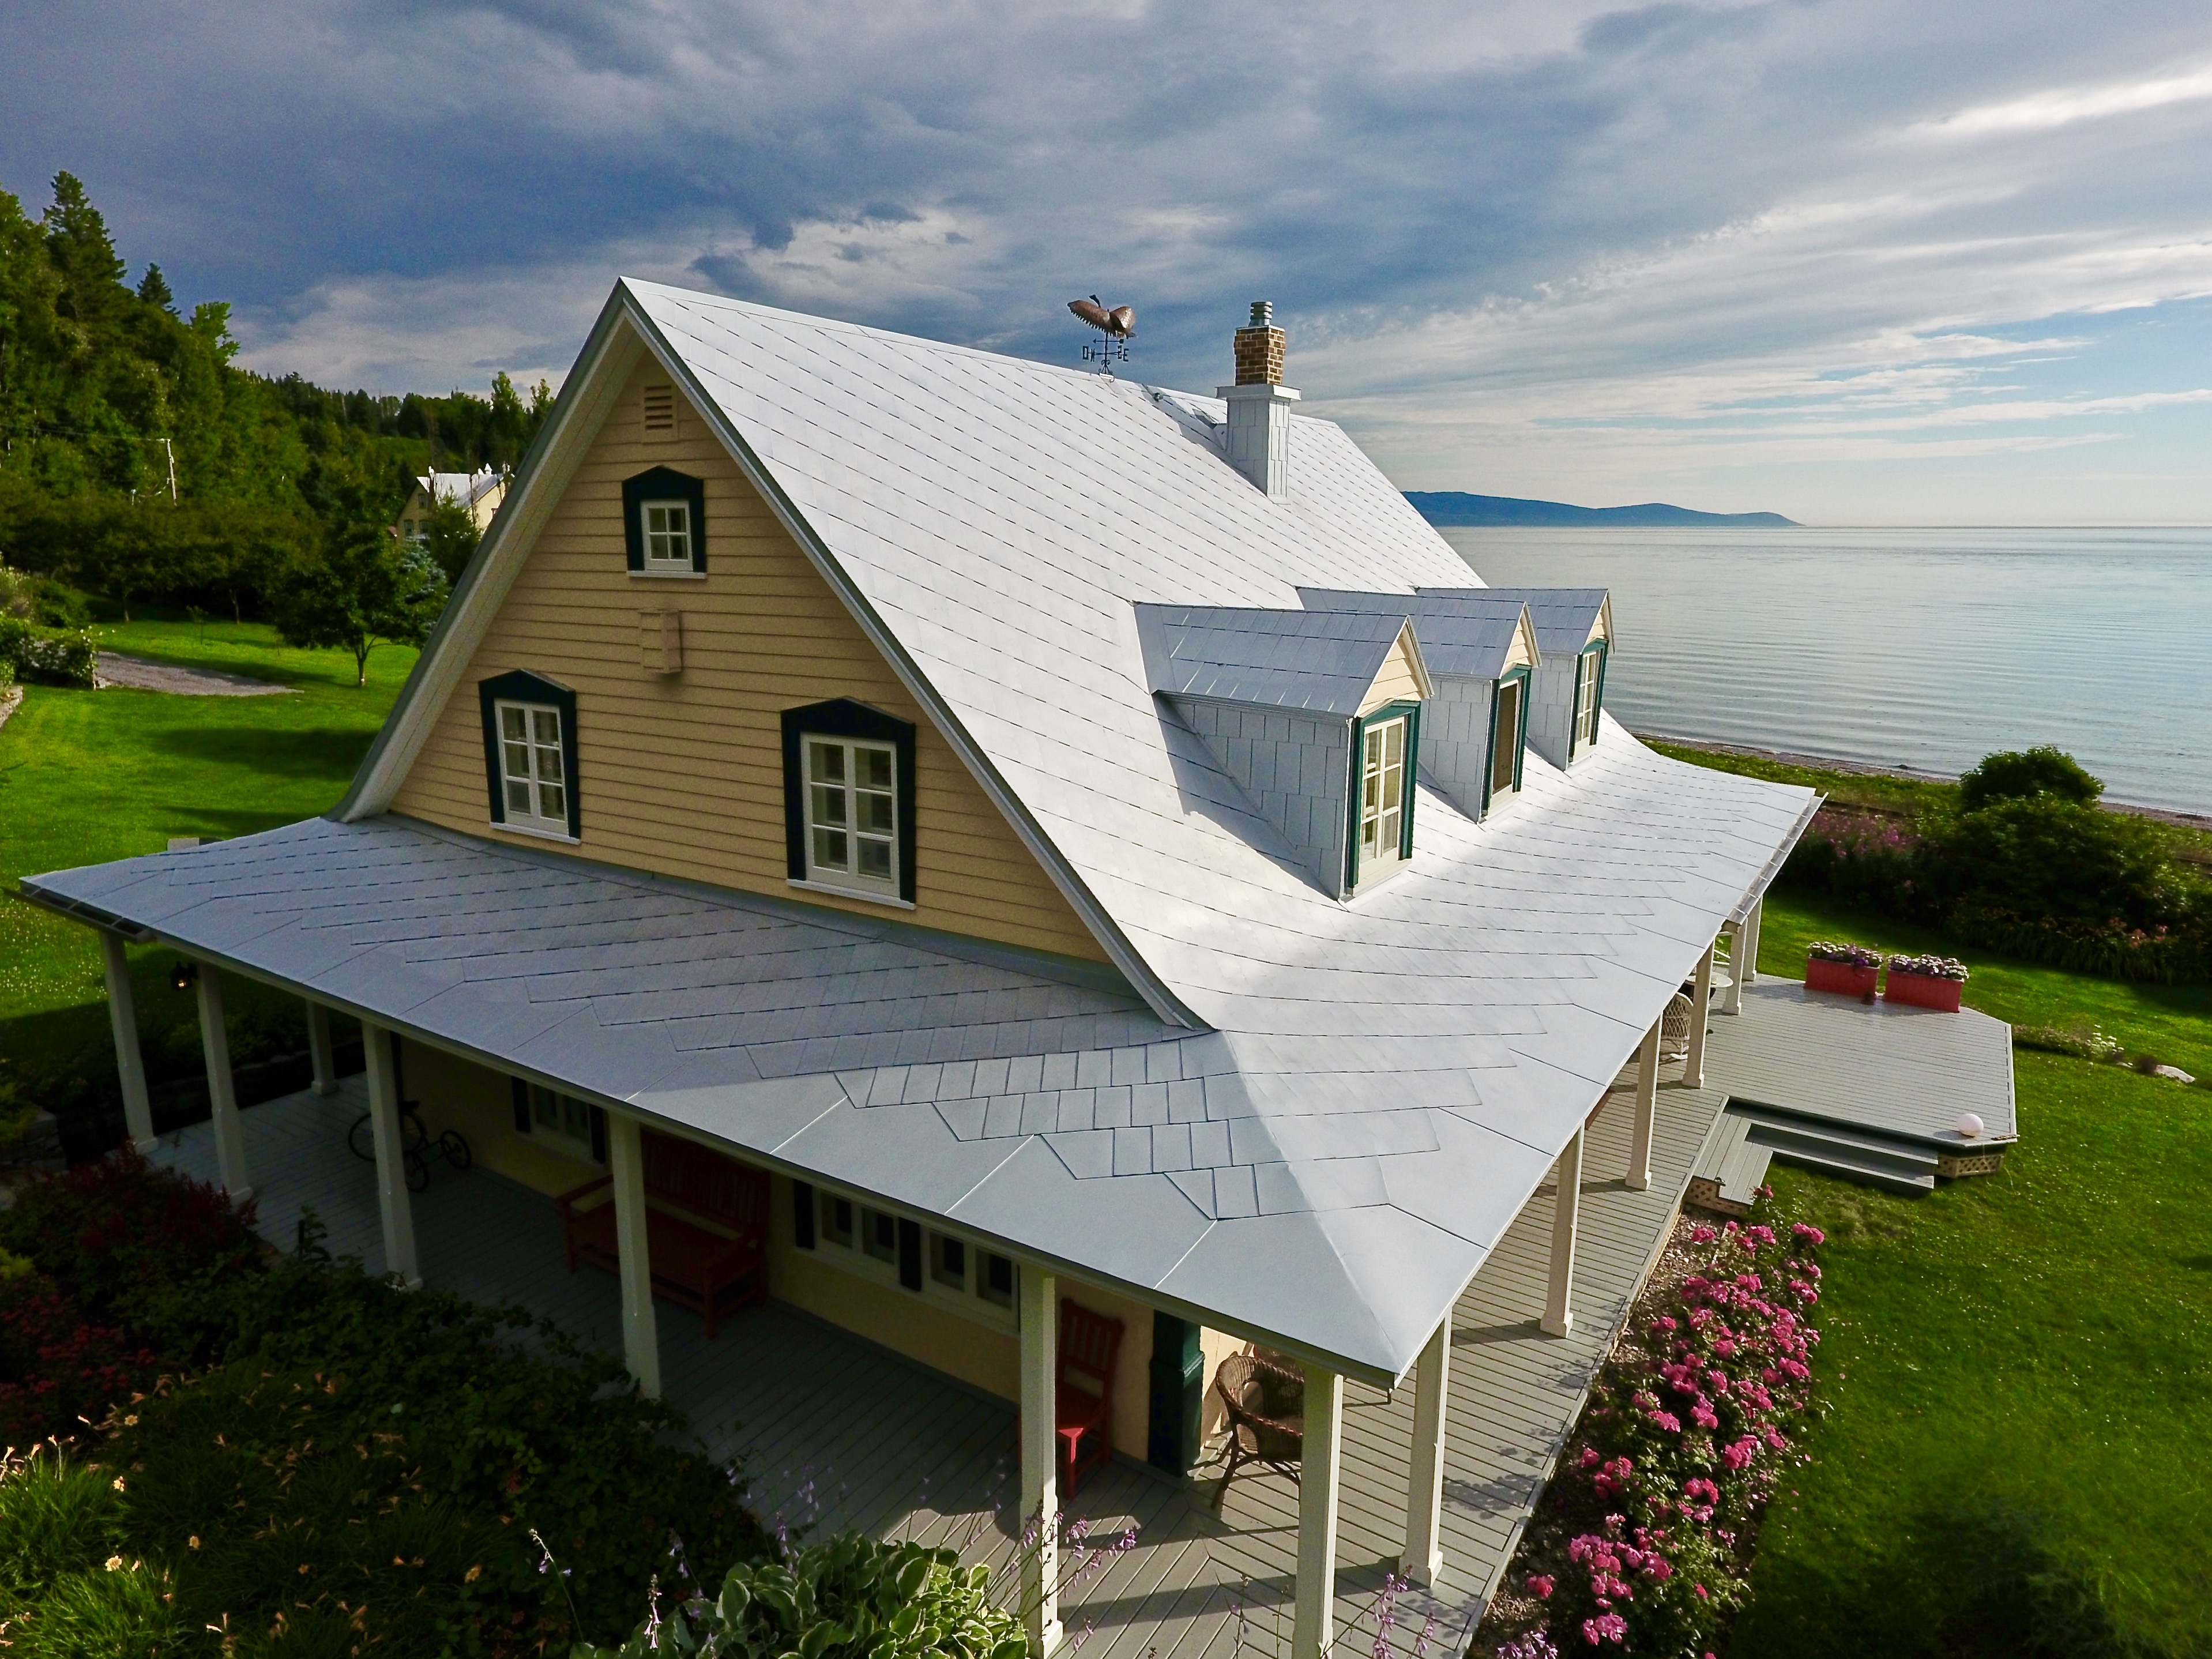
<point>1586,711</point>
<point>969,1297</point>
<point>822,829</point>
<point>551,1113</point>
<point>531,820</point>
<point>664,563</point>
<point>1378,770</point>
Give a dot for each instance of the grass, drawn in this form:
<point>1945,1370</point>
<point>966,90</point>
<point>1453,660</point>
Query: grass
<point>87,776</point>
<point>2013,1458</point>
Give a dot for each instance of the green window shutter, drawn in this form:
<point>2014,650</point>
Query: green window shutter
<point>802,1214</point>
<point>1178,1394</point>
<point>909,1254</point>
<point>520,686</point>
<point>841,717</point>
<point>1352,817</point>
<point>521,1105</point>
<point>1597,694</point>
<point>1412,776</point>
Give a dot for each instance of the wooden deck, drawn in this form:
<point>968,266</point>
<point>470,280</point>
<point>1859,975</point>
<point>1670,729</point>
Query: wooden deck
<point>836,1432</point>
<point>1896,1070</point>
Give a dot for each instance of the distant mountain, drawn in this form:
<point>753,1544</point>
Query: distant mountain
<point>1457,508</point>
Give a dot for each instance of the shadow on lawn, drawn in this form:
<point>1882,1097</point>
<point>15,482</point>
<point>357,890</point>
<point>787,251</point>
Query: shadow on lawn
<point>330,751</point>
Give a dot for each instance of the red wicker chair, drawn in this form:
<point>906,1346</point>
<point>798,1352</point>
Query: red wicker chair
<point>1090,1347</point>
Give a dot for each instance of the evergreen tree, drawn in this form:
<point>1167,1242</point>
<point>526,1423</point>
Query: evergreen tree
<point>153,290</point>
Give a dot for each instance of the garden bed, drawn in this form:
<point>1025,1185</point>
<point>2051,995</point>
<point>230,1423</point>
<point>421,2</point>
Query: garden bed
<point>299,1455</point>
<point>1643,1541</point>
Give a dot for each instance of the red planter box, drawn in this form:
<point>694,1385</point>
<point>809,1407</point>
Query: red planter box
<point>1839,976</point>
<point>1923,991</point>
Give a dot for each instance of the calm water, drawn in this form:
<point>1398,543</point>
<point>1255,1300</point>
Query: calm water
<point>1922,649</point>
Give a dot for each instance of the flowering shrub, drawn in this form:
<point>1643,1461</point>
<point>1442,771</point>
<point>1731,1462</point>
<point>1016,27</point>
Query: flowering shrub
<point>118,1232</point>
<point>58,1369</point>
<point>1855,956</point>
<point>56,656</point>
<point>1687,1430</point>
<point>1930,967</point>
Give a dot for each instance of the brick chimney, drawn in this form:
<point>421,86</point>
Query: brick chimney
<point>1260,406</point>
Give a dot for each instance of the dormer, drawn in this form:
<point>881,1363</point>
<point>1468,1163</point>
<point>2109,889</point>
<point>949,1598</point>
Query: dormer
<point>1317,716</point>
<point>1481,649</point>
<point>1574,635</point>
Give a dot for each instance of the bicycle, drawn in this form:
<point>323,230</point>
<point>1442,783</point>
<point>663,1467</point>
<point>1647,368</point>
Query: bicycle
<point>417,1147</point>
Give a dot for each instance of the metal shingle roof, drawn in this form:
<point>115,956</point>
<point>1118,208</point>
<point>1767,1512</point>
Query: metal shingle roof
<point>1317,664</point>
<point>1384,1081</point>
<point>1467,635</point>
<point>1563,616</point>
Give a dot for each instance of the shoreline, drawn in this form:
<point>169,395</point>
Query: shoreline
<point>1903,773</point>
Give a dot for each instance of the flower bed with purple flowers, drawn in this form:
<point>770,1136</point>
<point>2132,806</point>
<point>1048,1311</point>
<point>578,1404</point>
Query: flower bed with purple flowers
<point>1643,1541</point>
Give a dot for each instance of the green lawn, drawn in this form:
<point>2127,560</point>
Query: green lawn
<point>2016,1366</point>
<point>87,776</point>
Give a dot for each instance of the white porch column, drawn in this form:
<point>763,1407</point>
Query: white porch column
<point>393,1205</point>
<point>1313,1619</point>
<point>1040,1361</point>
<point>1732,999</point>
<point>1701,1013</point>
<point>318,1050</point>
<point>641,1335</point>
<point>1748,972</point>
<point>1425,1491</point>
<point>223,1097</point>
<point>1647,1108</point>
<point>130,1061</point>
<point>1558,1296</point>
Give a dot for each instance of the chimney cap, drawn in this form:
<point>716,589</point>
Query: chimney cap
<point>1263,314</point>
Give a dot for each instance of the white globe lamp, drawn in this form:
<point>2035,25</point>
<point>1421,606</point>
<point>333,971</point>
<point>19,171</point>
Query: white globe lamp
<point>1968,1126</point>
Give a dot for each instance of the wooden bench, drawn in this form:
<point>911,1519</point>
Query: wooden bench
<point>699,1267</point>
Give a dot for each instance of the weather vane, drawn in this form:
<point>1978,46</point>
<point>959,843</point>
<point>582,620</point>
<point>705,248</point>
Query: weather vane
<point>1115,327</point>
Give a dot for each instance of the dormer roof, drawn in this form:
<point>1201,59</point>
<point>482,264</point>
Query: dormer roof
<point>1566,618</point>
<point>1315,662</point>
<point>1471,635</point>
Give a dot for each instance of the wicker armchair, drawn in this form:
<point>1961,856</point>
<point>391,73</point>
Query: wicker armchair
<point>1675,1028</point>
<point>1266,1404</point>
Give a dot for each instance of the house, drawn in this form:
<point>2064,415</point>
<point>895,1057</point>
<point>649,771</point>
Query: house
<point>480,492</point>
<point>1081,850</point>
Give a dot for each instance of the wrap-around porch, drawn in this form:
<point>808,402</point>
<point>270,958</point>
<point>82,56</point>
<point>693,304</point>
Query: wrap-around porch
<point>837,1432</point>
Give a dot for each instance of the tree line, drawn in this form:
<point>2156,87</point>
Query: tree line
<point>140,464</point>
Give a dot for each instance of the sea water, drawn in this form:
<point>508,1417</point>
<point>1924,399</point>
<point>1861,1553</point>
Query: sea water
<point>1923,649</point>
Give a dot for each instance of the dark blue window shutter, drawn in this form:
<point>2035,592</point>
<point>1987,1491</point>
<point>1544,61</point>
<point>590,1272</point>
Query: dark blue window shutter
<point>663,484</point>
<point>802,1214</point>
<point>521,1105</point>
<point>841,717</point>
<point>520,686</point>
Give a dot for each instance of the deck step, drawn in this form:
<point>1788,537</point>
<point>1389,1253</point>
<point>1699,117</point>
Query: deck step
<point>1853,1169</point>
<point>1839,1140</point>
<point>1730,1167</point>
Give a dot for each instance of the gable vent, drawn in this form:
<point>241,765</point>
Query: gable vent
<point>660,409</point>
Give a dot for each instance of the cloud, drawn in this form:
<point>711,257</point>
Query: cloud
<point>1494,229</point>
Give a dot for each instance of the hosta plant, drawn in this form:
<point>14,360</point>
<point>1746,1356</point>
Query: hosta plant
<point>849,1598</point>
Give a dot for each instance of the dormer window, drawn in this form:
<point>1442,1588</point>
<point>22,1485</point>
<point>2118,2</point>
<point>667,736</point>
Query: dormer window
<point>664,523</point>
<point>1509,730</point>
<point>1589,689</point>
<point>1385,814</point>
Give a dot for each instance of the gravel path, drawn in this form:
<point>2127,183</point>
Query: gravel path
<point>140,674</point>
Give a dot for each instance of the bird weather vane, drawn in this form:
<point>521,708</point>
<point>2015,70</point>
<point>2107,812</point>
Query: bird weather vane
<point>1115,327</point>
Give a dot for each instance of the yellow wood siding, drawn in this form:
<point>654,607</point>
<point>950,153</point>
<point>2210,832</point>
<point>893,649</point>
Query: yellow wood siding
<point>683,773</point>
<point>1395,681</point>
<point>1524,653</point>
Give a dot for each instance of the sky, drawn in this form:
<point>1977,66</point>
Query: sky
<point>1857,261</point>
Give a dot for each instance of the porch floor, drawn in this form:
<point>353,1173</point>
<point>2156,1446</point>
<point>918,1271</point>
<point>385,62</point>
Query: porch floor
<point>838,1433</point>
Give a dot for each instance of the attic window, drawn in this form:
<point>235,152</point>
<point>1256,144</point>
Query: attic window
<point>530,754</point>
<point>849,801</point>
<point>660,409</point>
<point>664,523</point>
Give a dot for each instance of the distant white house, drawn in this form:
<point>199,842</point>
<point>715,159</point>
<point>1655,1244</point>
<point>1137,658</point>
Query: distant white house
<point>480,492</point>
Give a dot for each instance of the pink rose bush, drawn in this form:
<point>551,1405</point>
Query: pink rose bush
<point>1689,1427</point>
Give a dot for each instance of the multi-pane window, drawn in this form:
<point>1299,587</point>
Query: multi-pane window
<point>994,1278</point>
<point>879,1235</point>
<point>948,1262</point>
<point>882,1246</point>
<point>1587,669</point>
<point>561,1120</point>
<point>667,535</point>
<point>532,779</point>
<point>838,1219</point>
<point>1382,792</point>
<point>852,814</point>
